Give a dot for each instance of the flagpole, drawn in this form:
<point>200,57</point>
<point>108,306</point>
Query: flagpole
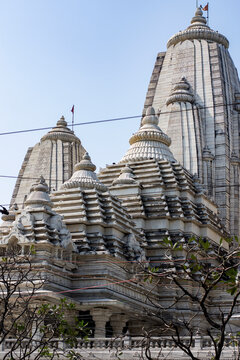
<point>196,3</point>
<point>73,110</point>
<point>208,14</point>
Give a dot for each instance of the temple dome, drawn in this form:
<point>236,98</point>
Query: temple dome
<point>149,142</point>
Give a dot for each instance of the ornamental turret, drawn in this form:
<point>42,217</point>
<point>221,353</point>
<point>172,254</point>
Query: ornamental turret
<point>84,176</point>
<point>149,142</point>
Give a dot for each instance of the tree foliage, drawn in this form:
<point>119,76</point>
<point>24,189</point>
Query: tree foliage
<point>29,325</point>
<point>202,280</point>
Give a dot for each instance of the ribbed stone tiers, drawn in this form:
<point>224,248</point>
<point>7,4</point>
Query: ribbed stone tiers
<point>162,197</point>
<point>84,176</point>
<point>149,141</point>
<point>165,200</point>
<point>86,204</point>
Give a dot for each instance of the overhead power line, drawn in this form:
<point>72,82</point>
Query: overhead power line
<point>111,119</point>
<point>76,124</point>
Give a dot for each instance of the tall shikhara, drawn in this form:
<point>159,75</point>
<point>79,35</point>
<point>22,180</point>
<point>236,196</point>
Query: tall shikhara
<point>195,90</point>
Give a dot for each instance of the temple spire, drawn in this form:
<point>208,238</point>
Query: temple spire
<point>149,142</point>
<point>84,176</point>
<point>198,19</point>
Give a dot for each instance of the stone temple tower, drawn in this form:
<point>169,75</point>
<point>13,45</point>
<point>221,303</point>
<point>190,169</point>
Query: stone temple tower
<point>53,158</point>
<point>195,91</point>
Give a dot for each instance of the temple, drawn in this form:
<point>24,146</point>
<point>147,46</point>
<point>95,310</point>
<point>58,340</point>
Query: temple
<point>178,180</point>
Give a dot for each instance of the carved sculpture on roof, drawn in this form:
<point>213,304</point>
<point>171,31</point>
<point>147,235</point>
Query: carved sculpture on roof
<point>37,222</point>
<point>126,177</point>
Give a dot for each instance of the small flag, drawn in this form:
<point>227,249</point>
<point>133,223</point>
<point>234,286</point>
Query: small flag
<point>72,110</point>
<point>205,8</point>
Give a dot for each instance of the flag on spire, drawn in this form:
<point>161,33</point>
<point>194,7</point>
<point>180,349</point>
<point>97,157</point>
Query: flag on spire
<point>205,8</point>
<point>72,110</point>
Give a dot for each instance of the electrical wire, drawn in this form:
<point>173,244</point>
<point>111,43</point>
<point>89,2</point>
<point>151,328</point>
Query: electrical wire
<point>112,119</point>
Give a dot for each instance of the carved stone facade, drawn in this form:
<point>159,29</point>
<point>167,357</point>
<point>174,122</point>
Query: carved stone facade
<point>93,231</point>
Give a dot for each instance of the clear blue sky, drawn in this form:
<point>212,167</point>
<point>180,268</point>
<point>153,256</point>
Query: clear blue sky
<point>96,54</point>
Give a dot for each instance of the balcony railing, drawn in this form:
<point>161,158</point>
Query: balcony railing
<point>130,343</point>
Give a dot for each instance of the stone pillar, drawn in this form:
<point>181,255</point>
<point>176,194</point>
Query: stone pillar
<point>118,321</point>
<point>208,177</point>
<point>100,316</point>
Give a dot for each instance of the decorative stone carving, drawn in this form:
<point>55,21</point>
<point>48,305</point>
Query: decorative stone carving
<point>84,176</point>
<point>37,222</point>
<point>126,177</point>
<point>181,93</point>
<point>38,195</point>
<point>149,142</point>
